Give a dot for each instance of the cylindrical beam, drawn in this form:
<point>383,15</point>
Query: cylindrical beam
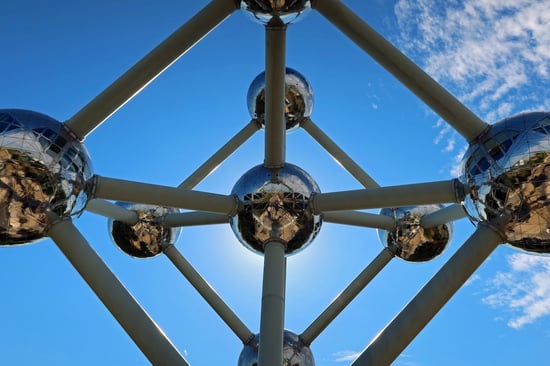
<point>407,72</point>
<point>447,214</point>
<point>123,190</point>
<point>394,196</point>
<point>397,335</point>
<point>338,154</point>
<point>219,157</point>
<point>357,218</point>
<point>149,67</point>
<point>346,296</point>
<point>193,219</point>
<point>275,126</point>
<point>272,315</point>
<point>146,334</point>
<point>113,211</point>
<point>208,294</point>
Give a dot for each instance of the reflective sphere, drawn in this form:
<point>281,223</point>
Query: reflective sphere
<point>43,167</point>
<point>298,98</point>
<point>275,207</point>
<point>413,242</point>
<point>507,174</point>
<point>144,238</point>
<point>295,352</point>
<point>276,12</point>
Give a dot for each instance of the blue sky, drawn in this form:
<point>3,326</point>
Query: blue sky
<point>493,55</point>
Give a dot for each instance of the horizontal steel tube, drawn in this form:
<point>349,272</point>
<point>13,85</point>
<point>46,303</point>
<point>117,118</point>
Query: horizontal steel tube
<point>395,196</point>
<point>123,190</point>
<point>111,210</point>
<point>357,218</point>
<point>193,219</point>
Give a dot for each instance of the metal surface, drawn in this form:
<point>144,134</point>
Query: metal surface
<point>43,167</point>
<point>275,207</point>
<point>412,241</point>
<point>152,341</point>
<point>295,352</point>
<point>275,12</point>
<point>507,170</point>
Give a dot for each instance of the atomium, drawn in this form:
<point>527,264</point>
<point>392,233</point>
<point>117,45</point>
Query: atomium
<point>276,207</point>
<point>43,167</point>
<point>298,98</point>
<point>146,237</point>
<point>276,12</point>
<point>506,171</point>
<point>411,240</point>
<point>295,352</point>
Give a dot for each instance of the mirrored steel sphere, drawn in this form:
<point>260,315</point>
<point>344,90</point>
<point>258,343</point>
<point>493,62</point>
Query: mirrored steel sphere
<point>275,207</point>
<point>298,98</point>
<point>145,238</point>
<point>43,167</point>
<point>413,242</point>
<point>276,12</point>
<point>507,173</point>
<point>295,352</point>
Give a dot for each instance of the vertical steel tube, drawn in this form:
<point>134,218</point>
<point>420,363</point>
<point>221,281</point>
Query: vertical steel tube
<point>397,335</point>
<point>150,339</point>
<point>273,305</point>
<point>208,294</point>
<point>346,296</point>
<point>338,154</point>
<point>407,72</point>
<point>149,67</point>
<point>275,127</point>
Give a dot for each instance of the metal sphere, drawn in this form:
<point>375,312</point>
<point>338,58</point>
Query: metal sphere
<point>295,352</point>
<point>412,241</point>
<point>298,98</point>
<point>275,207</point>
<point>43,167</point>
<point>145,238</point>
<point>506,171</point>
<point>276,12</point>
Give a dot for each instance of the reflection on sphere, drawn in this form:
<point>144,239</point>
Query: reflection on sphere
<point>276,12</point>
<point>43,167</point>
<point>275,207</point>
<point>298,98</point>
<point>145,238</point>
<point>413,242</point>
<point>295,352</point>
<point>507,174</point>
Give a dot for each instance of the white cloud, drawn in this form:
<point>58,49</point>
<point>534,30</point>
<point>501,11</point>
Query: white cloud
<point>343,356</point>
<point>493,55</point>
<point>523,291</point>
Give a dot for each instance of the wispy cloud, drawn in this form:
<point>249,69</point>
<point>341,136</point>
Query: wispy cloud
<point>523,291</point>
<point>347,355</point>
<point>493,55</point>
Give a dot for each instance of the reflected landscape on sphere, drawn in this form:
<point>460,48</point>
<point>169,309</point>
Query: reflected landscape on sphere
<point>145,238</point>
<point>276,12</point>
<point>298,98</point>
<point>412,241</point>
<point>295,352</point>
<point>507,173</point>
<point>43,167</point>
<point>275,207</point>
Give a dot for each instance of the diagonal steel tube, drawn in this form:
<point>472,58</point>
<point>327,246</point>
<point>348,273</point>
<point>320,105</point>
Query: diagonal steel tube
<point>394,196</point>
<point>208,294</point>
<point>357,218</point>
<point>108,209</point>
<point>389,343</point>
<point>346,296</point>
<point>447,214</point>
<point>407,72</point>
<point>149,67</point>
<point>275,126</point>
<point>223,153</point>
<point>272,317</point>
<point>146,334</point>
<point>338,154</point>
<point>128,191</point>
